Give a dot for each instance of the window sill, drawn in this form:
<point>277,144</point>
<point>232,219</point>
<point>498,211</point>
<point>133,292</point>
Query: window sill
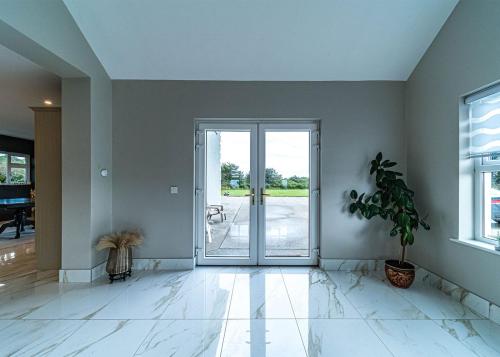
<point>489,248</point>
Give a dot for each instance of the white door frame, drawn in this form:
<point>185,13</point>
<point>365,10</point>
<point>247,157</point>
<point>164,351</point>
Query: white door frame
<point>257,180</point>
<point>200,195</point>
<point>312,259</point>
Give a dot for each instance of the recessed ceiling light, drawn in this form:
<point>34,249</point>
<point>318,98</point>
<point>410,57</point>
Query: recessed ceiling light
<point>47,102</point>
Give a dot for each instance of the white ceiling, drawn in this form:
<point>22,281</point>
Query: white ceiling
<point>260,39</point>
<point>23,84</point>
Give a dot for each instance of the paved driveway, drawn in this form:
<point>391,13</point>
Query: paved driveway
<point>286,223</point>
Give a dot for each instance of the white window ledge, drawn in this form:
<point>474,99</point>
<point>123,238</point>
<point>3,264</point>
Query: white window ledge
<point>490,248</point>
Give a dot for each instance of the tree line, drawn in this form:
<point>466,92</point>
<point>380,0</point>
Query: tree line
<point>233,177</point>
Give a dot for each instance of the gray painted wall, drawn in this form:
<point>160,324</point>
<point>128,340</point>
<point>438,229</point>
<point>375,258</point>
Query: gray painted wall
<point>153,143</point>
<point>86,118</point>
<point>464,57</point>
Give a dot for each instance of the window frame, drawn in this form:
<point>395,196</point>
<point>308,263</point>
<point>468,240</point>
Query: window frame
<point>482,165</point>
<point>10,165</point>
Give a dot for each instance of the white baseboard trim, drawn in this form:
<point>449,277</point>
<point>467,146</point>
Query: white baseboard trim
<point>474,302</point>
<point>82,275</point>
<point>351,264</point>
<point>75,275</point>
<point>89,275</point>
<point>164,264</point>
<point>98,271</point>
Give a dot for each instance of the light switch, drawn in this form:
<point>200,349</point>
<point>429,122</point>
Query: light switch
<point>174,190</point>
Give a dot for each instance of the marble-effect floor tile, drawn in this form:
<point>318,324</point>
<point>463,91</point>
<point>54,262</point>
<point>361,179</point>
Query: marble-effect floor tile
<point>228,311</point>
<point>374,299</point>
<point>417,338</point>
<point>314,295</point>
<point>262,337</point>
<point>36,337</point>
<point>201,338</point>
<point>480,336</point>
<point>340,337</point>
<point>258,294</point>
<point>105,338</point>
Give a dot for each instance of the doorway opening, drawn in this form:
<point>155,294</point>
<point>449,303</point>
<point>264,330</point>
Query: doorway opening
<point>257,193</point>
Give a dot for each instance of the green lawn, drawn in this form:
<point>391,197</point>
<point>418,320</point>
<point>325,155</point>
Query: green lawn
<point>273,192</point>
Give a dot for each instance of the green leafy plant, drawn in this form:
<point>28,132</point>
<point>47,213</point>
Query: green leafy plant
<point>392,200</point>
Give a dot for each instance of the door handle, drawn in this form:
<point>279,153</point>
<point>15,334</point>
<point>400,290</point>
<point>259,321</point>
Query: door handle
<point>262,195</point>
<point>252,196</point>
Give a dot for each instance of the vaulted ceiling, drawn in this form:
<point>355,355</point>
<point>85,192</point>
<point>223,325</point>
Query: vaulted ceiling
<point>260,39</point>
<point>23,84</point>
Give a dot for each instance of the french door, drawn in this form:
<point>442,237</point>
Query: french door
<point>257,193</point>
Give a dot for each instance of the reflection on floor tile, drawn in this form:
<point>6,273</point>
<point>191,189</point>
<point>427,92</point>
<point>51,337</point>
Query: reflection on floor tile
<point>267,337</point>
<point>184,338</point>
<point>260,293</point>
<point>213,311</point>
<point>205,294</point>
<point>435,304</point>
<point>373,299</point>
<point>314,295</point>
<point>36,337</point>
<point>79,303</point>
<point>480,336</point>
<point>417,338</point>
<point>147,299</point>
<point>105,338</point>
<point>340,337</point>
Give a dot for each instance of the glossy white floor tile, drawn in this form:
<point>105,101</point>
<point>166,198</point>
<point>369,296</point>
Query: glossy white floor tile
<point>78,303</point>
<point>262,337</point>
<point>435,304</point>
<point>480,336</point>
<point>146,299</point>
<point>105,338</point>
<point>227,311</point>
<point>36,337</point>
<point>184,338</point>
<point>418,338</point>
<point>204,294</point>
<point>374,299</point>
<point>258,294</point>
<point>314,295</point>
<point>340,337</point>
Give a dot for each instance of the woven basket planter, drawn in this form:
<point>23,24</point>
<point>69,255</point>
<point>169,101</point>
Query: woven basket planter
<point>119,264</point>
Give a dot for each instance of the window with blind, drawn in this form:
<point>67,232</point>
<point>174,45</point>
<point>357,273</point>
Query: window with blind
<point>484,141</point>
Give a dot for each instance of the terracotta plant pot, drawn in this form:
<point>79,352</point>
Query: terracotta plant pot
<point>399,275</point>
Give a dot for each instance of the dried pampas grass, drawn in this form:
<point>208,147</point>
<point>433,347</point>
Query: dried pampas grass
<point>122,239</point>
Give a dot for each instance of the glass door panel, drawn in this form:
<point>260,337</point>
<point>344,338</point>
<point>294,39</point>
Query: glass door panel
<point>227,190</point>
<point>226,213</point>
<point>256,194</point>
<point>286,194</point>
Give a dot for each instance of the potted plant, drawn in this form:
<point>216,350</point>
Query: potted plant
<point>392,200</point>
<point>120,244</point>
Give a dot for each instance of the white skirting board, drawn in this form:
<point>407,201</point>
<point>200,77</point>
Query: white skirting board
<point>351,264</point>
<point>89,275</point>
<point>478,304</point>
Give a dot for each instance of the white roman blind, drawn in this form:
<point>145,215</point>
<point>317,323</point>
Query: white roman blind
<point>484,117</point>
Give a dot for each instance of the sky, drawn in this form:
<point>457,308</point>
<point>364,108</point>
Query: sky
<point>287,152</point>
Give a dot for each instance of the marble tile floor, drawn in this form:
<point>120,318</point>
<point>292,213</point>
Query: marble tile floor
<point>18,269</point>
<point>231,311</point>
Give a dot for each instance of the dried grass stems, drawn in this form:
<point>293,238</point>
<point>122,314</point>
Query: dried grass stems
<point>122,239</point>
